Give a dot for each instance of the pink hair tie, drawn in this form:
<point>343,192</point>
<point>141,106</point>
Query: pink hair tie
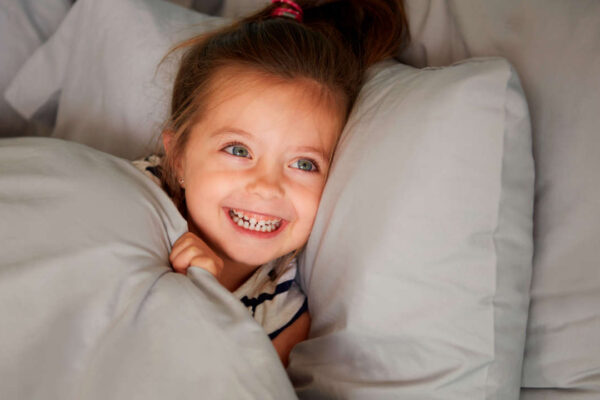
<point>295,12</point>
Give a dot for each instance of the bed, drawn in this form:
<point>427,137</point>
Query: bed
<point>454,255</point>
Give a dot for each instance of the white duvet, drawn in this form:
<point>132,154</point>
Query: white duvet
<point>90,307</point>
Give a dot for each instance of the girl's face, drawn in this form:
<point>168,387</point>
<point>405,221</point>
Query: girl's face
<point>255,165</point>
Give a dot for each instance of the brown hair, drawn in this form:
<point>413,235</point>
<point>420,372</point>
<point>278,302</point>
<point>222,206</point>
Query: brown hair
<point>333,46</point>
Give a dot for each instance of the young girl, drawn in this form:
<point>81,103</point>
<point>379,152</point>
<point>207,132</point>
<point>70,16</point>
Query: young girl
<point>256,112</point>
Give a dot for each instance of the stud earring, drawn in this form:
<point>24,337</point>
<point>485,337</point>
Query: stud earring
<point>181,181</point>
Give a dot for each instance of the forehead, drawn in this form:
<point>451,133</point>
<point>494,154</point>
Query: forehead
<point>238,79</point>
<point>264,104</point>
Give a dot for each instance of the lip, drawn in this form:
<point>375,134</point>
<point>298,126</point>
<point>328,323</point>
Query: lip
<point>256,234</point>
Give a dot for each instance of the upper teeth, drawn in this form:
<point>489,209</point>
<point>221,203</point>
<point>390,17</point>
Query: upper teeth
<point>252,224</point>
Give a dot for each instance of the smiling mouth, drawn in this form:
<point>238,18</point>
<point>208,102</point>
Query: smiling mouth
<point>254,222</point>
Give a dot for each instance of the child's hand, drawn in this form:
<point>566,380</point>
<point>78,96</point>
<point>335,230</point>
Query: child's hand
<point>190,250</point>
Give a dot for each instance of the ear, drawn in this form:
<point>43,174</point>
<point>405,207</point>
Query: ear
<point>168,143</point>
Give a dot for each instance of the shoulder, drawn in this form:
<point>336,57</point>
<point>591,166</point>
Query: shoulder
<point>292,335</point>
<point>151,167</point>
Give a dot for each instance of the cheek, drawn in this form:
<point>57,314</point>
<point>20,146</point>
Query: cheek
<point>206,189</point>
<point>307,208</point>
<point>204,195</point>
<point>307,204</point>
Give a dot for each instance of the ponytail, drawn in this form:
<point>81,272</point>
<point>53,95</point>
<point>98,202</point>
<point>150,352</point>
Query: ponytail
<point>373,29</point>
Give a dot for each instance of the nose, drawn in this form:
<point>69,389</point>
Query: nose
<point>266,181</point>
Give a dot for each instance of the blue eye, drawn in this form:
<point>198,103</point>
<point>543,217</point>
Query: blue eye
<point>304,164</point>
<point>237,150</point>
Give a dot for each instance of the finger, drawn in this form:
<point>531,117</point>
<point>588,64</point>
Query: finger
<point>206,263</point>
<point>175,256</point>
<point>177,247</point>
<point>186,240</point>
<point>182,260</point>
<point>182,239</point>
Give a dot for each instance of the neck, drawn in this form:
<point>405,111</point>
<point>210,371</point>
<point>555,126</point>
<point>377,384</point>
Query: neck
<point>234,274</point>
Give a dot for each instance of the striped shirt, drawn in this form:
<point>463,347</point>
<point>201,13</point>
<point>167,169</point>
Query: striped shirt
<point>271,294</point>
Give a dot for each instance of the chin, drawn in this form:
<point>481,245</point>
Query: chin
<point>250,256</point>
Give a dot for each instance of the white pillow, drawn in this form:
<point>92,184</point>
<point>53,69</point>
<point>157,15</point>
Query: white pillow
<point>555,47</point>
<point>104,59</point>
<point>24,26</point>
<point>418,268</point>
<point>240,8</point>
<point>212,7</point>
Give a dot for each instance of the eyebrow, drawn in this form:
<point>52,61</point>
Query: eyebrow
<point>310,149</point>
<point>228,130</point>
